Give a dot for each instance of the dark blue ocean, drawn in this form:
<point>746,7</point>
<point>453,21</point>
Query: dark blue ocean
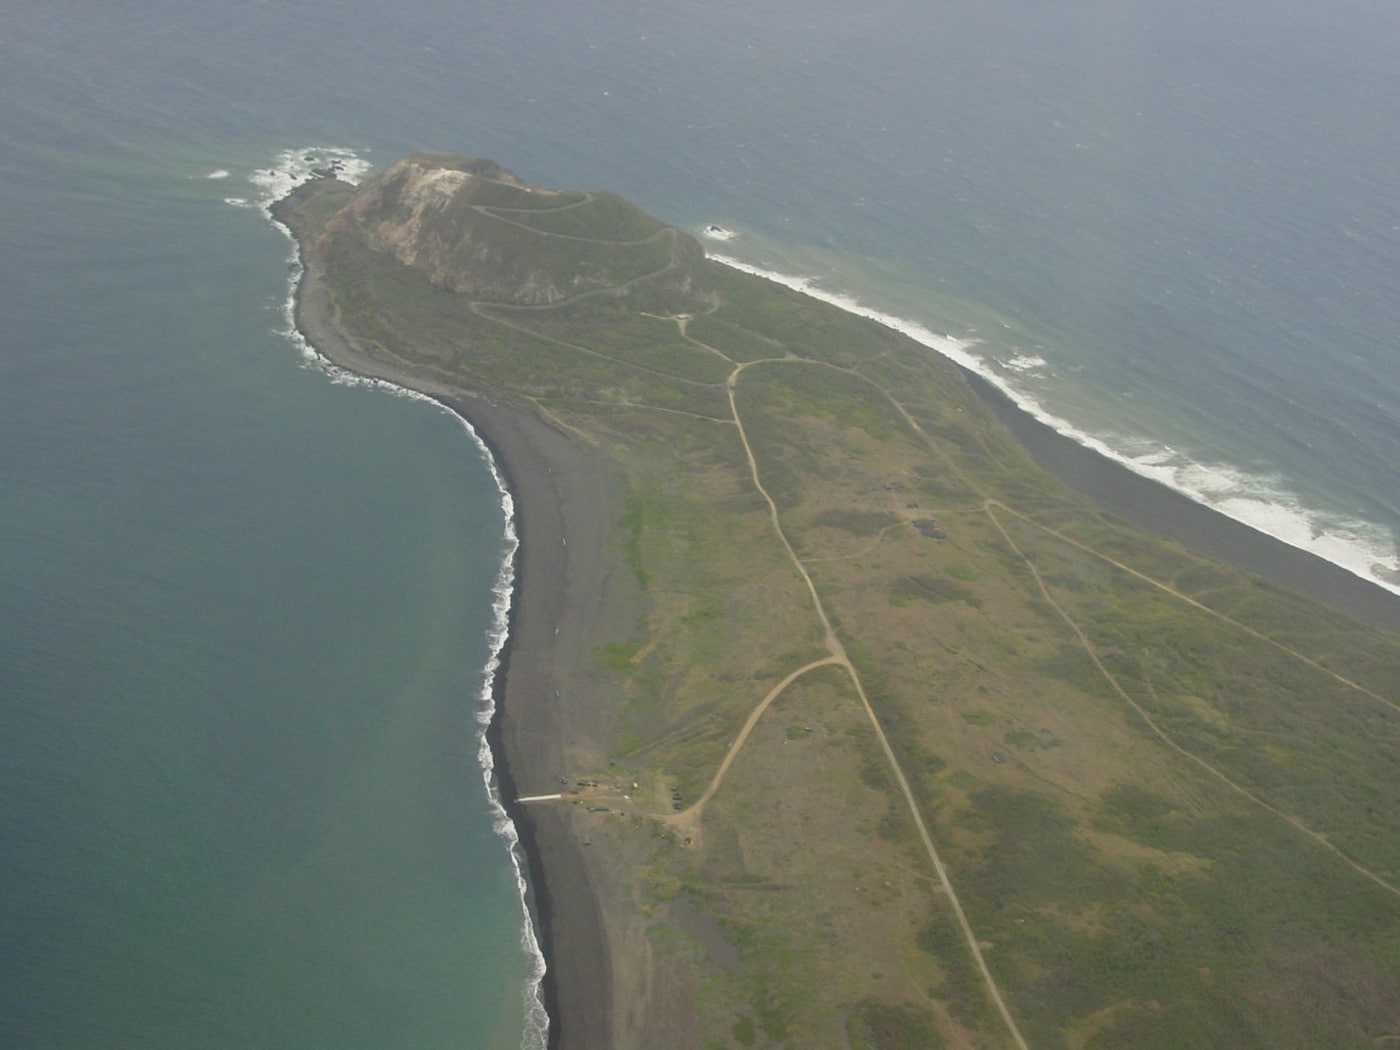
<point>245,609</point>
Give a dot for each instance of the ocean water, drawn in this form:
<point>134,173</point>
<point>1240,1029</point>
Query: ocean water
<point>245,610</point>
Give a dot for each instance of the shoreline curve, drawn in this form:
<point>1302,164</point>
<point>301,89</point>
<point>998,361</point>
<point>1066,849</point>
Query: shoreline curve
<point>561,515</point>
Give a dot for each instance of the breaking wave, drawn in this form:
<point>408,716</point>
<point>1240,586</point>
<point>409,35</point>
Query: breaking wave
<point>1264,503</point>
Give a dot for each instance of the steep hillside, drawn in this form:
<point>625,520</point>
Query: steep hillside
<point>471,226</point>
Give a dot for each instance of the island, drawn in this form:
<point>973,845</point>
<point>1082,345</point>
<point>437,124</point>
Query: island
<point>831,718</point>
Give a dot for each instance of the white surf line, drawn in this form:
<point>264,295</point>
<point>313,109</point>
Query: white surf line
<point>1276,512</point>
<point>277,183</point>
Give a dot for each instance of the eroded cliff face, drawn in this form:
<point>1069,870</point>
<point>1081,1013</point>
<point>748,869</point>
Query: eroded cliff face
<point>421,210</point>
<point>476,228</point>
<point>393,217</point>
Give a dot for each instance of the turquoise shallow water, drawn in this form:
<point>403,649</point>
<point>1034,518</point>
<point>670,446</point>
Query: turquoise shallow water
<point>244,611</point>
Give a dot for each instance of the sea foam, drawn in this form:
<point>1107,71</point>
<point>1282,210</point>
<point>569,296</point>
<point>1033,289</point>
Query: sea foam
<point>536,1035</point>
<point>291,169</point>
<point>1265,504</point>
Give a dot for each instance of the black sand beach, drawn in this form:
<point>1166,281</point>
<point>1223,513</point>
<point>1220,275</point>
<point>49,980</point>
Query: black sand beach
<point>551,482</point>
<point>563,504</point>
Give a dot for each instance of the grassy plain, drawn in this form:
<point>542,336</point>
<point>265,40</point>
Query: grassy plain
<point>913,747</point>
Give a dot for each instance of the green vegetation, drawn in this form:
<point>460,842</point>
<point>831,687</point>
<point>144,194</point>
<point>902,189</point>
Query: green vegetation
<point>1163,790</point>
<point>873,1025</point>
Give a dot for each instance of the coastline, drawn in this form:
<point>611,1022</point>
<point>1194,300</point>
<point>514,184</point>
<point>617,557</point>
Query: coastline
<point>566,499</point>
<point>1116,488</point>
<point>562,498</point>
<point>1161,510</point>
<point>1089,467</point>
